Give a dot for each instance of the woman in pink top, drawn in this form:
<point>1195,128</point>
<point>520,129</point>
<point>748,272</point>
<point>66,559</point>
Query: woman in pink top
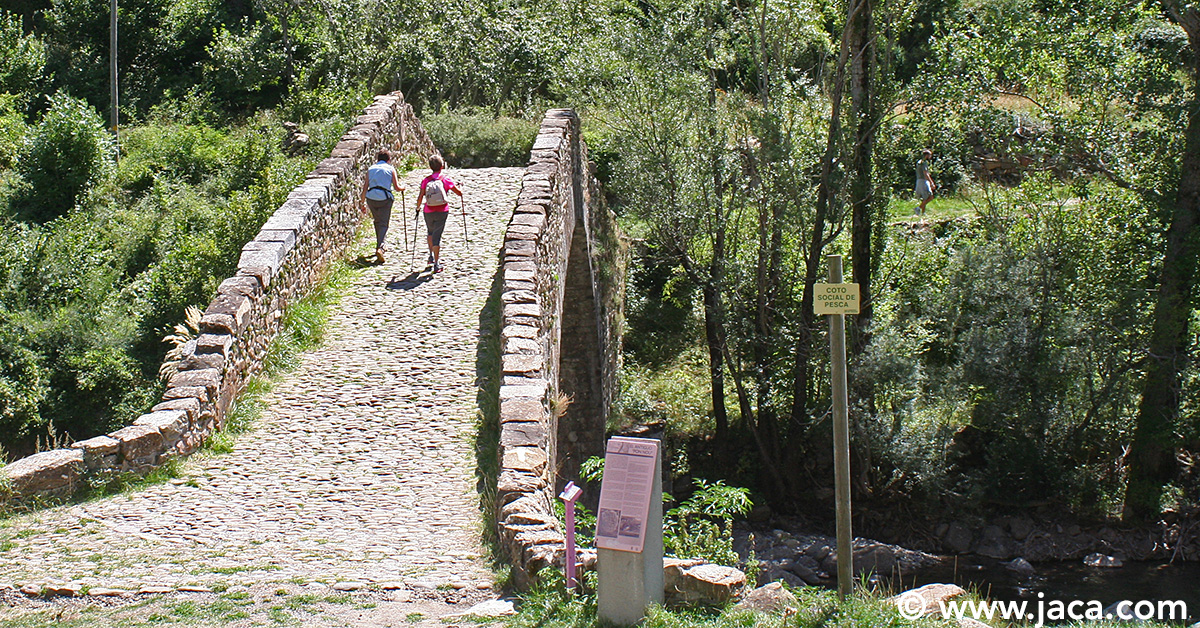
<point>434,189</point>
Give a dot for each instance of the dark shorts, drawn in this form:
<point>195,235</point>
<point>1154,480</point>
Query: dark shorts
<point>435,222</point>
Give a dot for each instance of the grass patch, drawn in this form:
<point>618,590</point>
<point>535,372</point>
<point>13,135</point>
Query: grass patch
<point>238,569</point>
<point>550,607</point>
<point>297,602</point>
<point>281,616</point>
<point>963,204</point>
<point>108,482</point>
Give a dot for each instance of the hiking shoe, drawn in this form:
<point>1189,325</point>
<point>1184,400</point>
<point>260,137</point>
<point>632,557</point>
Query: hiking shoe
<point>379,255</point>
<point>430,262</point>
<point>437,268</point>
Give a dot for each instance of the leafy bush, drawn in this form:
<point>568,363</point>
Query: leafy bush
<point>474,140</point>
<point>69,152</point>
<point>702,526</point>
<point>22,57</point>
<point>1005,363</point>
<point>189,153</point>
<point>12,131</point>
<point>24,382</point>
<point>676,394</point>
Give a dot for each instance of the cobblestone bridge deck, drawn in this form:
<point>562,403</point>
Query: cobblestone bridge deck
<point>361,470</point>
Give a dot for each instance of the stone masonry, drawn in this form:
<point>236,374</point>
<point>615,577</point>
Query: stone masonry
<point>555,319</point>
<point>361,471</point>
<point>291,251</point>
<point>363,456</point>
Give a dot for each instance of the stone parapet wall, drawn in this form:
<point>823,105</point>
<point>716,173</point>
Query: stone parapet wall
<point>558,197</point>
<point>314,226</point>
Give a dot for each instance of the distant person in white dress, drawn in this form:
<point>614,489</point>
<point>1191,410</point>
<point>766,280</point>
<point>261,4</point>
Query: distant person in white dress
<point>925,186</point>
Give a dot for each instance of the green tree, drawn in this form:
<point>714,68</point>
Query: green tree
<point>68,153</point>
<point>22,56</point>
<point>1152,461</point>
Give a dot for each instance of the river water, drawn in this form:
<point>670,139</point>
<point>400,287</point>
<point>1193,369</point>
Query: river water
<point>1070,581</point>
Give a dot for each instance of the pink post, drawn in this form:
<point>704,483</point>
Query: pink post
<point>570,495</point>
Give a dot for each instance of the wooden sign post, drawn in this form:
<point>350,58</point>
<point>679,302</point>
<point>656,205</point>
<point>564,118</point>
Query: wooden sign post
<point>836,299</point>
<point>629,531</point>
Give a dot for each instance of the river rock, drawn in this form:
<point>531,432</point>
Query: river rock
<point>1100,560</point>
<point>1020,528</point>
<point>875,558</point>
<point>780,552</point>
<point>808,563</point>
<point>774,574</point>
<point>1021,567</point>
<point>932,596</point>
<point>807,569</point>
<point>769,598</point>
<point>957,538</point>
<point>994,543</point>
<point>701,583</point>
<point>818,551</point>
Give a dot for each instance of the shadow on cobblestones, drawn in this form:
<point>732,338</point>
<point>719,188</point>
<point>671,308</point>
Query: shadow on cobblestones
<point>487,434</point>
<point>413,280</point>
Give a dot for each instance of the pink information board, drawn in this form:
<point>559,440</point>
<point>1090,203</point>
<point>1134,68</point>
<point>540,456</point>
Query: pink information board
<point>625,493</point>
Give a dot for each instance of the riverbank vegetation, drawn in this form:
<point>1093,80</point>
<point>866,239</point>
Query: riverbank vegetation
<point>1007,340</point>
<point>1027,342</point>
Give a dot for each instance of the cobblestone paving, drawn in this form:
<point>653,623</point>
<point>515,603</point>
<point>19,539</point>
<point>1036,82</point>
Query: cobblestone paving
<point>361,469</point>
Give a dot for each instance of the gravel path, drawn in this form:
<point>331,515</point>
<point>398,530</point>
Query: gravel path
<point>360,472</point>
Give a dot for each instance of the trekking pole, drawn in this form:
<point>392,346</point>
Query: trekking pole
<point>412,259</point>
<point>463,208</point>
<point>404,218</point>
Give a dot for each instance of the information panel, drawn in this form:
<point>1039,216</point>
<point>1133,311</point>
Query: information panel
<point>835,298</point>
<point>625,493</point>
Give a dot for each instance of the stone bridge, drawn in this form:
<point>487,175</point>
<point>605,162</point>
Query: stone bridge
<point>432,399</point>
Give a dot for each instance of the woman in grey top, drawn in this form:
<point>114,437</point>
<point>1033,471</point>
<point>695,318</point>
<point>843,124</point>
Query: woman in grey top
<point>925,186</point>
<point>377,195</point>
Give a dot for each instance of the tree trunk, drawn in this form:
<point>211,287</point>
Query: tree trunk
<point>826,198</point>
<point>715,341</point>
<point>1151,455</point>
<point>862,202</point>
<point>714,315</point>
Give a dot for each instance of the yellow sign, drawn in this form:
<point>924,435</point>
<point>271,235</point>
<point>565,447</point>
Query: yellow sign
<point>835,298</point>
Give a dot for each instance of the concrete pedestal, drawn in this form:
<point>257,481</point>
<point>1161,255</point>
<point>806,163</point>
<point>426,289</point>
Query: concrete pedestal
<point>632,581</point>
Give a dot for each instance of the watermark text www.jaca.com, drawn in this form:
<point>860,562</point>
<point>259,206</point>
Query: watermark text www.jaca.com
<point>1044,611</point>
